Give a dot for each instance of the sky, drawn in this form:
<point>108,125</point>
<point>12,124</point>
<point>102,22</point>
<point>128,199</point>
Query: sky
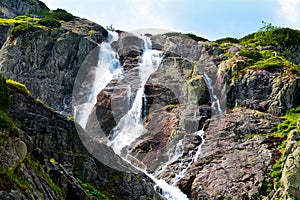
<point>212,19</point>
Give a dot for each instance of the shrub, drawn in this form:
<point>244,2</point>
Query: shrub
<point>252,54</point>
<point>61,14</point>
<point>195,37</point>
<point>5,100</point>
<point>50,22</point>
<point>22,29</point>
<point>186,35</point>
<point>227,39</point>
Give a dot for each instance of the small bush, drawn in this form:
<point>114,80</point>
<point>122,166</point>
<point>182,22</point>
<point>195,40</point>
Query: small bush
<point>252,54</point>
<point>227,39</point>
<point>50,22</point>
<point>22,29</point>
<point>61,14</point>
<point>186,35</point>
<point>196,38</point>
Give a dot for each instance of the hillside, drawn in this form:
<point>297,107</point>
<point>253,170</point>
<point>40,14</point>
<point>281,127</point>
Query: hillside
<point>216,119</point>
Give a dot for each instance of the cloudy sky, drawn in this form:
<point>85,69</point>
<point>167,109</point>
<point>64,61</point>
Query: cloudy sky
<point>212,19</point>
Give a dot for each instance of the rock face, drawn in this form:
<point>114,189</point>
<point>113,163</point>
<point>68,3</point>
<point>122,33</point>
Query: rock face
<point>50,154</point>
<point>289,182</point>
<point>272,92</point>
<point>47,61</point>
<point>13,8</point>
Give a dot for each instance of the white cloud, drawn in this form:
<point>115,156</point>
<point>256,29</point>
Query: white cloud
<point>288,12</point>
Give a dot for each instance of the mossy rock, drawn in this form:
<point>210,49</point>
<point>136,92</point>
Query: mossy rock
<point>18,87</point>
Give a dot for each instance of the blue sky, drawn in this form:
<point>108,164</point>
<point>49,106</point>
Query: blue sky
<point>212,19</point>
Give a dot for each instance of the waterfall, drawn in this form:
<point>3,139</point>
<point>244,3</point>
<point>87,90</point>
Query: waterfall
<point>216,102</point>
<point>107,69</point>
<point>181,174</point>
<point>130,125</point>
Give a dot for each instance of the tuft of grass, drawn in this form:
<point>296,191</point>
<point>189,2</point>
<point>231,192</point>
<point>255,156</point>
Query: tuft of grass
<point>18,87</point>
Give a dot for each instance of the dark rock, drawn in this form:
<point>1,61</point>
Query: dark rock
<point>47,61</point>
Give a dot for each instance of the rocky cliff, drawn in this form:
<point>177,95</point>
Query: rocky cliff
<point>13,8</point>
<point>244,94</point>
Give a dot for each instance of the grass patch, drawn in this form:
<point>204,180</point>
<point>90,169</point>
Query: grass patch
<point>92,191</point>
<point>18,87</point>
<point>274,63</point>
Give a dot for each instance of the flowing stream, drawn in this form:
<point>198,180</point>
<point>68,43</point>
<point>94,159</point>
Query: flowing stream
<point>130,126</point>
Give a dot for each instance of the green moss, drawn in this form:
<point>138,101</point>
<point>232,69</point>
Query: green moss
<point>9,176</point>
<point>17,87</point>
<point>92,191</point>
<point>171,107</point>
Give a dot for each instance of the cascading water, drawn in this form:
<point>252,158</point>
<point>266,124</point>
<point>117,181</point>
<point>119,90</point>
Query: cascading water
<point>107,69</point>
<point>130,125</point>
<point>213,95</point>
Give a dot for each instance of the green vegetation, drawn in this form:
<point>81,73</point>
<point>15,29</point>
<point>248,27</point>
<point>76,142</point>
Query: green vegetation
<point>282,131</point>
<point>7,126</point>
<point>92,191</point>
<point>5,100</point>
<point>17,87</point>
<point>110,28</point>
<point>39,171</point>
<point>271,35</point>
<point>273,63</point>
<point>8,176</point>
<point>186,35</point>
<point>227,40</point>
<point>22,29</point>
<point>252,54</point>
<point>61,14</point>
<point>196,38</point>
<point>50,22</point>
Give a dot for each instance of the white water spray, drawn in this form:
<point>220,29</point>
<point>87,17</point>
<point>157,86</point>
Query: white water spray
<point>107,69</point>
<point>216,102</point>
<point>130,125</point>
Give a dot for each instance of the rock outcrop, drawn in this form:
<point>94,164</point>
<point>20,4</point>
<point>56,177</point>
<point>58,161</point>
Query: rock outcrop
<point>50,161</point>
<point>13,8</point>
<point>47,60</point>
